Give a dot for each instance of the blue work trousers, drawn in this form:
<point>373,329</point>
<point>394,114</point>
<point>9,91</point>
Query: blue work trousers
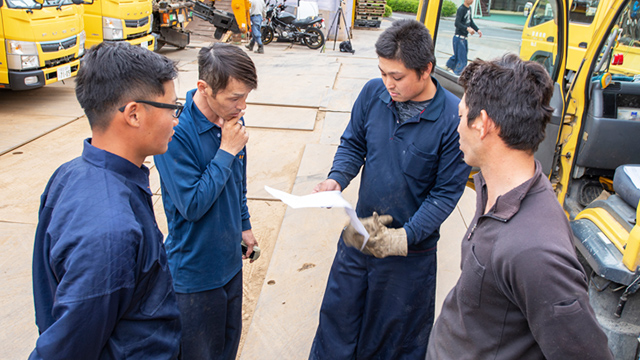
<point>256,30</point>
<point>211,322</point>
<point>458,61</point>
<point>376,308</point>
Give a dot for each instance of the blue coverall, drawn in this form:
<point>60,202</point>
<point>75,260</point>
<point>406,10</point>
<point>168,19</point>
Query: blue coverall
<point>383,308</point>
<point>101,282</point>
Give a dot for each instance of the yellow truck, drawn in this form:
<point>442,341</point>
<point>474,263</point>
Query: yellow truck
<point>585,17</point>
<point>591,151</point>
<point>42,42</point>
<point>119,20</point>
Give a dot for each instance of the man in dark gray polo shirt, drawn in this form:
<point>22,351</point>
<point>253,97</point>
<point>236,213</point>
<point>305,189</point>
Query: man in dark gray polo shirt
<point>522,293</point>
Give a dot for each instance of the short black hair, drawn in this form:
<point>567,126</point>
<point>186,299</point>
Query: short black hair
<point>113,74</point>
<point>410,42</point>
<point>219,62</point>
<point>515,94</point>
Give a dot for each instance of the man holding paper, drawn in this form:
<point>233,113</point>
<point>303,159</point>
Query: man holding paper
<point>379,301</point>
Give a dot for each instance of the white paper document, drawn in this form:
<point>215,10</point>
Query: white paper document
<point>325,199</point>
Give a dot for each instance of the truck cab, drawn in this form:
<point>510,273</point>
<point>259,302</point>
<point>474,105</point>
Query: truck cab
<point>585,17</point>
<point>42,42</point>
<point>591,152</point>
<point>119,20</point>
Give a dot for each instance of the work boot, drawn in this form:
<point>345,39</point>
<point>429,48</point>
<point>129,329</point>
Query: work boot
<point>260,49</point>
<point>250,45</point>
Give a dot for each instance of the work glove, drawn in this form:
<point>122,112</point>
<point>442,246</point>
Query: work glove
<point>353,238</point>
<point>383,241</point>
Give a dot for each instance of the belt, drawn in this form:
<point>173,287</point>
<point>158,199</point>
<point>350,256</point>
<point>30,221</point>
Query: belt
<point>460,36</point>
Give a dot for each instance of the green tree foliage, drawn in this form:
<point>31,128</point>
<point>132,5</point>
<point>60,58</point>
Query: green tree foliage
<point>410,6</point>
<point>387,11</point>
<point>448,8</point>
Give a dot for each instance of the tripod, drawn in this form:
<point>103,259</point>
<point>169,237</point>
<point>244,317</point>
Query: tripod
<point>336,25</point>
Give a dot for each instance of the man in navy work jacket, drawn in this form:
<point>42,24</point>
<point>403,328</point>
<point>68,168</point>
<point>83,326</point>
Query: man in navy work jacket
<point>522,293</point>
<point>379,303</point>
<point>204,185</point>
<point>101,282</point>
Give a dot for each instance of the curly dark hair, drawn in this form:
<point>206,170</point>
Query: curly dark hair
<point>514,93</point>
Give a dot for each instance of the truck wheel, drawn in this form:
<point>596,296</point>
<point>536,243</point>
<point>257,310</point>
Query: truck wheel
<point>313,38</point>
<point>267,35</point>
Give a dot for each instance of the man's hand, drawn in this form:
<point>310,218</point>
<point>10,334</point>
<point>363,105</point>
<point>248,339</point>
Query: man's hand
<point>470,30</point>
<point>372,224</point>
<point>234,135</point>
<point>327,185</point>
<point>250,240</point>
<point>479,33</point>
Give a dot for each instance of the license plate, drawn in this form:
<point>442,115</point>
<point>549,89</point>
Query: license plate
<point>64,72</point>
<point>144,44</point>
<point>180,18</point>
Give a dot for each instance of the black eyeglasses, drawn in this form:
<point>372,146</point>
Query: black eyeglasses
<point>177,107</point>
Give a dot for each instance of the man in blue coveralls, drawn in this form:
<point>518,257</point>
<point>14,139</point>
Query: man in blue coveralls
<point>101,283</point>
<point>204,185</point>
<point>379,302</point>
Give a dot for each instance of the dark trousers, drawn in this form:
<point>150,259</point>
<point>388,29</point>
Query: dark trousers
<point>376,308</point>
<point>458,61</point>
<point>212,322</point>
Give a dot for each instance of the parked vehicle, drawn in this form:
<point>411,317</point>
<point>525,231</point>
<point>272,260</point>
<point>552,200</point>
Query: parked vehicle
<point>591,152</point>
<point>170,20</point>
<point>284,26</point>
<point>119,20</point>
<point>171,17</point>
<point>585,17</point>
<point>42,42</point>
<point>237,22</point>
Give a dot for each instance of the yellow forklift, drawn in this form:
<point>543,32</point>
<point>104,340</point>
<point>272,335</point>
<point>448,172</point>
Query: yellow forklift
<point>591,152</point>
<point>171,17</point>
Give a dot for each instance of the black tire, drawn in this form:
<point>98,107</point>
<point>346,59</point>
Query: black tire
<point>314,38</point>
<point>267,35</point>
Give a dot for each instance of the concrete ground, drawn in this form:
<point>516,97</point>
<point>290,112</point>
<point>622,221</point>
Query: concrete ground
<point>295,119</point>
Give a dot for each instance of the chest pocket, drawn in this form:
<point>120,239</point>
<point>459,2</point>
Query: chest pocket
<point>471,280</point>
<point>418,164</point>
<point>238,166</point>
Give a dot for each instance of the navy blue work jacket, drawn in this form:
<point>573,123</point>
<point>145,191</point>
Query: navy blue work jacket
<point>413,171</point>
<point>204,195</point>
<point>101,282</point>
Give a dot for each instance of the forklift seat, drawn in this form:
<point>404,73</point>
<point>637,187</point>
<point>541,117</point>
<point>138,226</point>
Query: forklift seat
<point>623,184</point>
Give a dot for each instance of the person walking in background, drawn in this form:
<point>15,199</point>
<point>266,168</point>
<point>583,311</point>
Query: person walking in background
<point>464,27</point>
<point>257,13</point>
<point>204,185</point>
<point>101,284</point>
<point>522,293</point>
<point>379,300</point>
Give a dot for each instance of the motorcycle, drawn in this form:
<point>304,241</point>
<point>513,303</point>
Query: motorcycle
<point>283,25</point>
